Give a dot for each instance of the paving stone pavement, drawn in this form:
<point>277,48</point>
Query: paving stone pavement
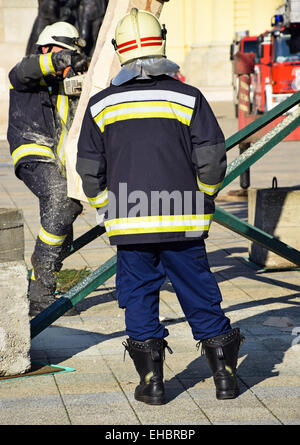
<point>100,389</point>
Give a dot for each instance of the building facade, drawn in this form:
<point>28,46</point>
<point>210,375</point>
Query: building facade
<point>198,39</point>
<point>200,33</point>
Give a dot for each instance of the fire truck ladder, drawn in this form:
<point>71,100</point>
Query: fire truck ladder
<point>235,168</point>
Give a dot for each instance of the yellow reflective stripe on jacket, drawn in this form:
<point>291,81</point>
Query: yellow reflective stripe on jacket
<point>100,200</point>
<point>62,106</point>
<point>11,86</point>
<point>51,239</point>
<point>31,150</point>
<point>209,189</point>
<point>141,110</point>
<point>46,64</point>
<point>61,144</point>
<point>157,224</point>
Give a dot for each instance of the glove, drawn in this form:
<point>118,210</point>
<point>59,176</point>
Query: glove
<point>61,59</point>
<point>79,62</point>
<point>66,57</point>
<point>100,216</point>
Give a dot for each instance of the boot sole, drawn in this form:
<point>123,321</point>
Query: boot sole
<point>151,400</point>
<point>222,395</point>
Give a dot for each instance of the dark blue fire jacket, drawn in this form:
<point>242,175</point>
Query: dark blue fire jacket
<point>152,156</point>
<point>40,114</point>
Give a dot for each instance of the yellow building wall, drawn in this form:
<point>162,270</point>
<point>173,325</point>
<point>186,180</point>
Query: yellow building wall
<point>198,39</point>
<point>200,33</point>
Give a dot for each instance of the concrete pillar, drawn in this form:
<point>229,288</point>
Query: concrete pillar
<point>277,212</point>
<point>14,304</point>
<point>11,235</point>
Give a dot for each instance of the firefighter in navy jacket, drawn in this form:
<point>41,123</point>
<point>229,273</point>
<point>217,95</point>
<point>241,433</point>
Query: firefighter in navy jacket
<point>40,116</point>
<point>151,155</point>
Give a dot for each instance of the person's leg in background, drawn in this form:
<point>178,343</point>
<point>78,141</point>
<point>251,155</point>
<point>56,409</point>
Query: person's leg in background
<point>57,214</point>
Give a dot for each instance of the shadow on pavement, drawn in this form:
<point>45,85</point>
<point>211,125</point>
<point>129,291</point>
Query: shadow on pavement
<point>260,356</point>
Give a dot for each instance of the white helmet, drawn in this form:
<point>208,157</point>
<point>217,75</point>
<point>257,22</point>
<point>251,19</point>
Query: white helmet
<point>139,34</point>
<point>61,34</point>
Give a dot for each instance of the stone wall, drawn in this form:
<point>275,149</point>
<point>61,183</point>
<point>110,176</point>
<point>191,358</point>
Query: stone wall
<point>14,304</point>
<point>208,65</point>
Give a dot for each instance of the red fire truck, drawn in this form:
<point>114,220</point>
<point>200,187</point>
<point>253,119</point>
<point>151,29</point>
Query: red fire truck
<point>274,72</point>
<point>277,74</point>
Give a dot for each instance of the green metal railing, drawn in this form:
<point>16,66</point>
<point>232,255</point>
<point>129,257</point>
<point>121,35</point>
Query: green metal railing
<point>235,168</point>
<point>73,296</point>
<point>248,158</point>
<point>264,120</point>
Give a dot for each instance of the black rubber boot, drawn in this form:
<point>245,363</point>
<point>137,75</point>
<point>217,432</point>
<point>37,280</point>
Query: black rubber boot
<point>39,297</point>
<point>45,273</point>
<point>222,354</point>
<point>41,290</point>
<point>148,357</point>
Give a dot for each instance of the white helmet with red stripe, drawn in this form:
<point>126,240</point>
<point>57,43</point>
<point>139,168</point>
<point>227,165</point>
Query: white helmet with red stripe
<point>139,34</point>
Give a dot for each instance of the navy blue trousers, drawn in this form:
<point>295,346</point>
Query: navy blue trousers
<point>141,271</point>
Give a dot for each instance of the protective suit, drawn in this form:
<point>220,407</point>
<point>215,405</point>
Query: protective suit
<point>152,158</point>
<point>40,117</point>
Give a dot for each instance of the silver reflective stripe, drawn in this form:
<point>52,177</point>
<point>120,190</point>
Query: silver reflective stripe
<point>46,64</point>
<point>143,95</point>
<point>191,223</point>
<point>152,224</point>
<point>141,110</point>
<point>62,106</point>
<point>31,150</point>
<point>49,238</point>
<point>100,200</point>
<point>207,188</point>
